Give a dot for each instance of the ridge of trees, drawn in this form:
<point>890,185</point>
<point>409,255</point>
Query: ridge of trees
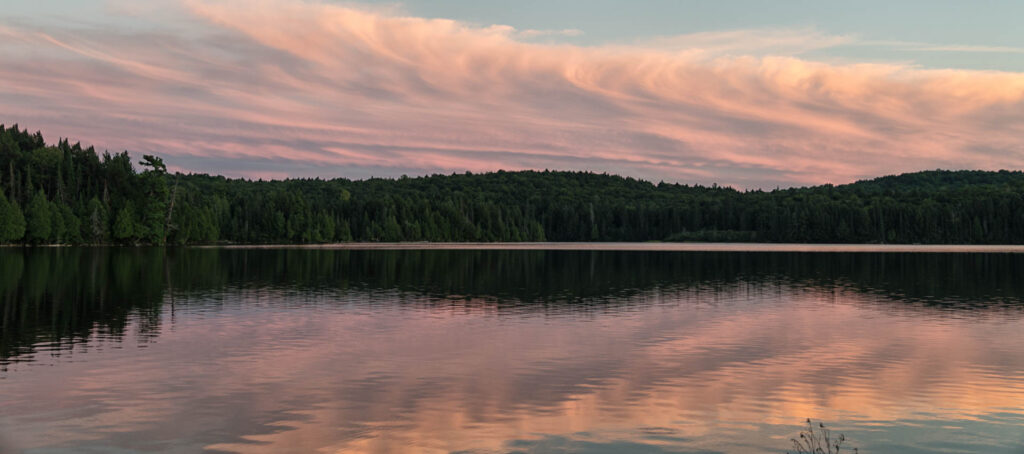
<point>68,194</point>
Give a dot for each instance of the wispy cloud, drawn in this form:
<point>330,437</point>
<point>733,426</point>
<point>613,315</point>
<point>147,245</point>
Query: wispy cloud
<point>305,88</point>
<point>916,46</point>
<point>769,41</point>
<point>531,33</point>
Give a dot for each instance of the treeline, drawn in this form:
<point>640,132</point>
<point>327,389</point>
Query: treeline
<point>65,193</point>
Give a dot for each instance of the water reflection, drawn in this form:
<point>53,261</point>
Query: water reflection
<point>495,351</point>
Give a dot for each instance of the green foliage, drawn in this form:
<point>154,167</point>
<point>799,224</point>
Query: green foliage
<point>124,225</point>
<point>151,198</point>
<point>58,229</point>
<point>39,219</point>
<point>72,225</point>
<point>153,164</point>
<point>12,221</point>
<point>102,198</point>
<point>95,229</point>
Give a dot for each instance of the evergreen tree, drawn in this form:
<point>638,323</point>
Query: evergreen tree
<point>38,219</point>
<point>6,219</point>
<point>12,222</point>
<point>344,231</point>
<point>153,205</point>
<point>96,226</point>
<point>72,225</point>
<point>17,226</point>
<point>98,193</point>
<point>124,225</point>
<point>208,227</point>
<point>58,229</point>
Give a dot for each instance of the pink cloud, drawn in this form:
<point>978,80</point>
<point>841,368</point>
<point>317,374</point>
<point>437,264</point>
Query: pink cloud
<point>358,91</point>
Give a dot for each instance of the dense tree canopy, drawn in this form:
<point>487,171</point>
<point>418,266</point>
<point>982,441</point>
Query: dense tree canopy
<point>69,194</point>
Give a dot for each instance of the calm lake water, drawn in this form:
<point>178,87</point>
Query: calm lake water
<point>306,350</point>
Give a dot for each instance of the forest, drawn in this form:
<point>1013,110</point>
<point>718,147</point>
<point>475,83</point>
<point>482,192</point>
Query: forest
<point>68,194</point>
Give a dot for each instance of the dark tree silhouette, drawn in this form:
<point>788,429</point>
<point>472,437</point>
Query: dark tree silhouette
<point>70,194</point>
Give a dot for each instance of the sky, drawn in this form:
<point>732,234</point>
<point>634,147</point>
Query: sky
<point>750,94</point>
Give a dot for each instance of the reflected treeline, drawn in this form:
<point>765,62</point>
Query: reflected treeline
<point>63,295</point>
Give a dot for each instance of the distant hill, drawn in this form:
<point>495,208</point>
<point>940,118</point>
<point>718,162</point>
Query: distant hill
<point>940,180</point>
<point>65,193</point>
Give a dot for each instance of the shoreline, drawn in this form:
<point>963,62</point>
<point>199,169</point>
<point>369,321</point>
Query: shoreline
<point>647,246</point>
<point>594,246</point>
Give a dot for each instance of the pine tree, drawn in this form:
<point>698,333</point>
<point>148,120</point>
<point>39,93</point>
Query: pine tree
<point>124,224</point>
<point>72,225</point>
<point>96,226</point>
<point>211,233</point>
<point>12,223</point>
<point>38,219</point>
<point>326,227</point>
<point>6,219</point>
<point>344,231</point>
<point>58,229</point>
<point>17,225</point>
<point>153,209</point>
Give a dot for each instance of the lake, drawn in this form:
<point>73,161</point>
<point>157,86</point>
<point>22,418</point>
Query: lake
<point>586,348</point>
